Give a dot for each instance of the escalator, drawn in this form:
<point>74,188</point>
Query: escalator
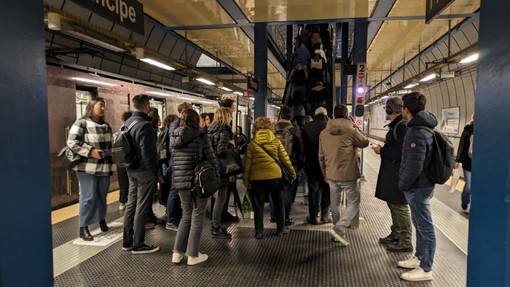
<point>310,79</point>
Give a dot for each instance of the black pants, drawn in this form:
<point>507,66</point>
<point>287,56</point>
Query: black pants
<point>258,193</point>
<point>317,186</point>
<point>123,178</point>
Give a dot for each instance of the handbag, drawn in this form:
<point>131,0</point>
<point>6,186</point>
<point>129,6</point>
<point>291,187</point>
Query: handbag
<point>69,158</point>
<point>286,174</point>
<point>230,163</point>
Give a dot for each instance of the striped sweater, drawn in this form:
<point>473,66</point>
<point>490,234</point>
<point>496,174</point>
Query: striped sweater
<point>86,135</point>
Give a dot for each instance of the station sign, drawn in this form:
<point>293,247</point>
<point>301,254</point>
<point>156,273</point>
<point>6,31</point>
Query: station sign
<point>434,8</point>
<point>361,74</point>
<point>253,84</point>
<point>127,13</point>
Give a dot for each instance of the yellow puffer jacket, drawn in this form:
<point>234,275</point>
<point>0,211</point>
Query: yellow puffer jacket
<point>258,165</point>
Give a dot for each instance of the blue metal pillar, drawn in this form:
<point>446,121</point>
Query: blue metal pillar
<point>489,218</point>
<point>25,197</point>
<point>345,61</point>
<point>261,69</point>
<point>290,47</point>
<point>359,53</point>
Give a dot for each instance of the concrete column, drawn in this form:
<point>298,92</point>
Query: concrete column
<point>261,69</point>
<point>25,197</point>
<point>489,218</point>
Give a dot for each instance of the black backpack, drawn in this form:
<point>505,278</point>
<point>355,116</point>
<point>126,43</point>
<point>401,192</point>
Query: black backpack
<point>122,151</point>
<point>205,180</point>
<point>441,163</point>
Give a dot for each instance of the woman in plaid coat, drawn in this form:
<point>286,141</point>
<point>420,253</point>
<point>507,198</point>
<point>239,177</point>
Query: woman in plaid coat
<point>90,137</point>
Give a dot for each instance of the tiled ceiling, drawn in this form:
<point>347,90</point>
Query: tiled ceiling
<point>297,10</point>
<point>399,41</point>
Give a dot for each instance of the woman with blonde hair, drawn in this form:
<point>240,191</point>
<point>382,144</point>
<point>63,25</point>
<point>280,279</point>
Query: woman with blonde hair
<point>262,174</point>
<point>221,136</point>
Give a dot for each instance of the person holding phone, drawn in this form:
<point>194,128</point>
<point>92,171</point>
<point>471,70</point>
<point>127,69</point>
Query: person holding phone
<point>91,136</point>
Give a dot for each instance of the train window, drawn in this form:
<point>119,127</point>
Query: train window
<point>83,96</point>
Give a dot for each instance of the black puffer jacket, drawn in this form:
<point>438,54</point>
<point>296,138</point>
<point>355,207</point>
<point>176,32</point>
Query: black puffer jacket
<point>463,150</point>
<point>144,143</point>
<point>391,155</point>
<point>184,144</point>
<point>220,135</point>
<point>416,152</point>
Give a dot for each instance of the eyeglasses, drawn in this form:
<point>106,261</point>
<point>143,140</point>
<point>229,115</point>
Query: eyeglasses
<point>100,105</point>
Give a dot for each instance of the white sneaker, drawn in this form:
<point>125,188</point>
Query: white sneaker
<point>197,260</point>
<point>417,274</point>
<point>122,206</point>
<point>410,263</point>
<point>338,237</point>
<point>177,257</point>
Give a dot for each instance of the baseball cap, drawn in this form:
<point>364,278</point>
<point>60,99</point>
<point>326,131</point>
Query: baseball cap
<point>321,110</point>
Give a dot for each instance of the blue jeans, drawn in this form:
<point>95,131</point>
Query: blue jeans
<point>173,205</point>
<point>466,192</point>
<point>419,202</point>
<point>93,190</point>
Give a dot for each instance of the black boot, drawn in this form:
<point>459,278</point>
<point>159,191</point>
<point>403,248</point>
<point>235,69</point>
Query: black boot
<point>103,226</point>
<point>85,234</point>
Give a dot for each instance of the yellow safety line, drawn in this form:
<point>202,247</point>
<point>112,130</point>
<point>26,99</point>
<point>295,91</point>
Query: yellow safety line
<point>72,210</point>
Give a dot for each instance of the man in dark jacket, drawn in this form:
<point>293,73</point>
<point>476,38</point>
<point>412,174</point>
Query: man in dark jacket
<point>142,174</point>
<point>387,181</point>
<point>418,189</point>
<point>317,187</point>
<point>464,158</point>
<point>295,152</point>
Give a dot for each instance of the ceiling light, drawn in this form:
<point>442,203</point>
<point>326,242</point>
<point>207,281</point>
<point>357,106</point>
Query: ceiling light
<point>226,89</point>
<point>159,94</point>
<point>469,59</point>
<point>93,40</point>
<point>428,78</point>
<point>92,81</point>
<point>238,93</point>
<point>384,98</point>
<point>207,82</point>
<point>157,64</point>
<point>410,86</point>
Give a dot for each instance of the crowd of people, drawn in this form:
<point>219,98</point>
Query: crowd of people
<point>320,152</point>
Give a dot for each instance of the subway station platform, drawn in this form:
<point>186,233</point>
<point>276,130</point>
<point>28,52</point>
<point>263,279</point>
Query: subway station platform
<point>305,257</point>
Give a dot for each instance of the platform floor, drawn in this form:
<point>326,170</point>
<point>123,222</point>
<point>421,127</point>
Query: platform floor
<point>305,257</point>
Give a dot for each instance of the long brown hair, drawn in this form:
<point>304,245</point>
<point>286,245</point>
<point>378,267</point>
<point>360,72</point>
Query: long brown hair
<point>90,107</point>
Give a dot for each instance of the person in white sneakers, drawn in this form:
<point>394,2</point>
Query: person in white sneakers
<point>418,189</point>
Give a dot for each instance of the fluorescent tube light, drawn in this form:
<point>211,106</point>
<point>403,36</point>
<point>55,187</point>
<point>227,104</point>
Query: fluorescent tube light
<point>207,82</point>
<point>410,86</point>
<point>92,81</point>
<point>157,64</point>
<point>226,89</point>
<point>469,59</point>
<point>159,94</point>
<point>238,93</point>
<point>428,78</point>
<point>384,98</point>
<point>94,41</point>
